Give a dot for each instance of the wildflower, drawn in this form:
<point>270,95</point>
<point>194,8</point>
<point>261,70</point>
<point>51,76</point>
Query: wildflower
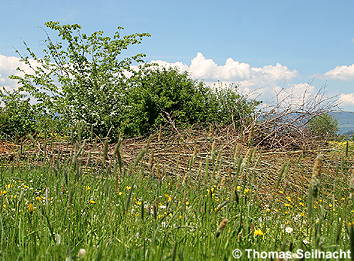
<point>302,214</point>
<point>221,226</point>
<point>87,187</point>
<point>57,239</point>
<point>81,253</point>
<point>187,203</point>
<point>92,202</point>
<point>287,205</point>
<point>258,232</point>
<point>168,197</point>
<point>238,188</point>
<point>9,186</point>
<point>247,190</point>
<point>289,230</point>
<point>301,204</point>
<point>30,207</point>
<point>330,205</point>
<point>128,187</point>
<point>288,198</point>
<point>120,193</point>
<point>138,203</point>
<point>268,210</point>
<point>281,192</point>
<point>39,198</point>
<point>3,192</point>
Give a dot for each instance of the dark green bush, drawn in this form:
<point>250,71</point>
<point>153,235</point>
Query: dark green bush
<point>167,96</point>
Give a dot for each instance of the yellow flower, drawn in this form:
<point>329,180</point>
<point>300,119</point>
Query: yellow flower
<point>87,187</point>
<point>238,188</point>
<point>301,204</point>
<point>247,190</point>
<point>128,187</point>
<point>187,203</point>
<point>302,214</point>
<point>258,232</point>
<point>288,198</point>
<point>39,198</point>
<point>3,192</point>
<point>287,205</point>
<point>9,186</point>
<point>330,205</point>
<point>281,192</point>
<point>30,207</point>
<point>138,203</point>
<point>91,202</point>
<point>168,197</point>
<point>120,193</point>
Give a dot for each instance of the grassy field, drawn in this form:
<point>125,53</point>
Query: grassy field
<point>61,211</point>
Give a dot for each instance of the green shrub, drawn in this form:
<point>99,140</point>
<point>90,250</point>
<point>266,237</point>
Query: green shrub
<point>16,116</point>
<point>323,125</point>
<point>168,96</point>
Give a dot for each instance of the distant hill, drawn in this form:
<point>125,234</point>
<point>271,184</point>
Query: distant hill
<point>345,120</point>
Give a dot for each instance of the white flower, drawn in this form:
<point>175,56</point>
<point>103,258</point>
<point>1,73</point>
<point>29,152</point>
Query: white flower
<point>82,252</point>
<point>305,241</point>
<point>289,230</point>
<point>57,239</point>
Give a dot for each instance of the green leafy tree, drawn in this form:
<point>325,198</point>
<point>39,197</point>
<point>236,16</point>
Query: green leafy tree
<point>323,125</point>
<point>82,78</point>
<point>16,115</point>
<point>168,96</point>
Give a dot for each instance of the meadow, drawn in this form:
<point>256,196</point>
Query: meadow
<point>125,207</point>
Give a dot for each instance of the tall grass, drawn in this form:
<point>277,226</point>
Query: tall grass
<point>55,212</point>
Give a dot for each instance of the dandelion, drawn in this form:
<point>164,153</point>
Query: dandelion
<point>247,190</point>
<point>87,188</point>
<point>168,197</point>
<point>238,188</point>
<point>258,232</point>
<point>39,198</point>
<point>30,207</point>
<point>92,202</point>
<point>221,226</point>
<point>120,193</point>
<point>82,252</point>
<point>128,187</point>
<point>289,230</point>
<point>3,192</point>
<point>301,204</point>
<point>187,203</point>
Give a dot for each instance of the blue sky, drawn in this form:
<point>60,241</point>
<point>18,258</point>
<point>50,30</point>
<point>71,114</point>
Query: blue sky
<point>313,41</point>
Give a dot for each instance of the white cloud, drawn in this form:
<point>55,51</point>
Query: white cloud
<point>8,66</point>
<point>343,72</point>
<point>346,99</point>
<point>206,69</point>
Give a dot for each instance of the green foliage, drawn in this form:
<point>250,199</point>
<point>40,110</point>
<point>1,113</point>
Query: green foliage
<point>83,78</point>
<point>168,96</point>
<point>323,125</point>
<point>88,81</point>
<point>16,115</point>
